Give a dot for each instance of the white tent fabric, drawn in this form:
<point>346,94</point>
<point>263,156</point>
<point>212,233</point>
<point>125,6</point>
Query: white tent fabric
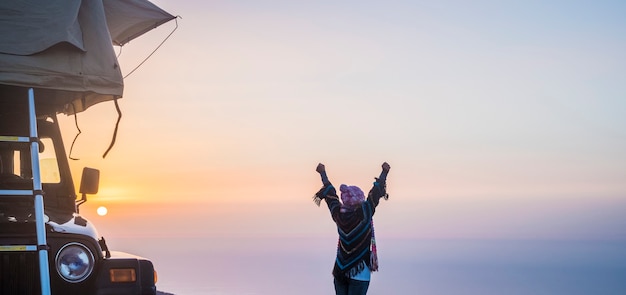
<point>64,48</point>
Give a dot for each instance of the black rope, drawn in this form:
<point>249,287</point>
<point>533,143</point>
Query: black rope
<point>117,107</point>
<point>119,118</point>
<point>75,137</point>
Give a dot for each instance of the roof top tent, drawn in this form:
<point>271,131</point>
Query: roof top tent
<point>64,48</point>
<point>57,56</point>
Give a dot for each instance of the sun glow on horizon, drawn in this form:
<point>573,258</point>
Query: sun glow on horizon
<point>102,211</point>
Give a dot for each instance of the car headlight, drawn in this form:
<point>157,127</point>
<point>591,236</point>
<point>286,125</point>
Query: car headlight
<point>74,262</point>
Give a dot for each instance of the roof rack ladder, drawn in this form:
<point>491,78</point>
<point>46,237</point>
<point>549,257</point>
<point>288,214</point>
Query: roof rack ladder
<point>37,194</point>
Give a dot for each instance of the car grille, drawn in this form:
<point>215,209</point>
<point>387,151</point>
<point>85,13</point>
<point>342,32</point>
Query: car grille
<point>19,273</point>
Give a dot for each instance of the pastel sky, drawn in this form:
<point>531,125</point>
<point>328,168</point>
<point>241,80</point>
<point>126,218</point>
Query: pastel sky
<point>500,119</point>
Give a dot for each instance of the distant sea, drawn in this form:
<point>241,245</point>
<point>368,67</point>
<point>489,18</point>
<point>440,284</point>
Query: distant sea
<point>273,265</point>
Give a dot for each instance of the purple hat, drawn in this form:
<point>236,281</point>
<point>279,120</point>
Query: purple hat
<point>351,195</point>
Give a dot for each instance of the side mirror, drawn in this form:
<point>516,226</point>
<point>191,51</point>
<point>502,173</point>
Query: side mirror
<point>88,184</point>
<point>90,181</point>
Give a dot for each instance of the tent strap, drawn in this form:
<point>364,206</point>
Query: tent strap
<point>119,118</point>
<point>77,134</point>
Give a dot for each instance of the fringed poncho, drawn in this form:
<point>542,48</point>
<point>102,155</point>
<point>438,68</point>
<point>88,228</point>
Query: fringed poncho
<point>354,228</point>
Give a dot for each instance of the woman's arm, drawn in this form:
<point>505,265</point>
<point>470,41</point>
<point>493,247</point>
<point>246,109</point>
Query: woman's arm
<point>327,191</point>
<point>379,190</point>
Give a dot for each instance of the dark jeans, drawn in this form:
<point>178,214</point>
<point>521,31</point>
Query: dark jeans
<point>351,287</point>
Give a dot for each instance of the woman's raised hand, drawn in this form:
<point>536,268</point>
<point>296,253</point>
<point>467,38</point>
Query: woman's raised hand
<point>320,168</point>
<point>386,167</point>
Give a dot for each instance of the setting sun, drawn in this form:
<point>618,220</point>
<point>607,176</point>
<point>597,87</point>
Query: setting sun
<point>102,210</point>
